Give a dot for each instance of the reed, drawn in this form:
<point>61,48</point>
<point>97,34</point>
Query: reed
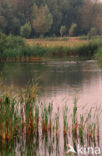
<point>21,116</point>
<point>74,120</point>
<point>16,49</point>
<point>81,130</point>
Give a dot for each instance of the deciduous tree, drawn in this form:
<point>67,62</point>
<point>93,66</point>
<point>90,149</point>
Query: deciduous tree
<point>43,21</point>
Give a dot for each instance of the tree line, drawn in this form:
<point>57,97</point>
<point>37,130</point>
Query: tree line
<point>34,18</point>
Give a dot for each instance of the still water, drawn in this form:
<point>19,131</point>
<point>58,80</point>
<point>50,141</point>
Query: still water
<point>59,81</point>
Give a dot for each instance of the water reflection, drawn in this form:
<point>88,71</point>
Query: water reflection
<point>59,82</point>
<point>58,79</point>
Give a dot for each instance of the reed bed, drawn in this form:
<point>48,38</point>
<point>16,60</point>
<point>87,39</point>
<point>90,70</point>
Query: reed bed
<point>64,42</point>
<point>26,124</point>
<point>16,49</point>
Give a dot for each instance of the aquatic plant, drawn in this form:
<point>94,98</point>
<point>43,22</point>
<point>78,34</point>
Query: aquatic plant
<point>27,122</point>
<point>81,129</point>
<point>74,120</point>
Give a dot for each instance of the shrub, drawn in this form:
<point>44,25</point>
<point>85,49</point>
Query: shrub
<point>98,55</point>
<point>72,30</point>
<point>15,46</point>
<point>25,30</point>
<point>12,53</point>
<point>92,33</point>
<point>63,30</point>
<point>34,51</point>
<point>14,41</point>
<point>11,46</point>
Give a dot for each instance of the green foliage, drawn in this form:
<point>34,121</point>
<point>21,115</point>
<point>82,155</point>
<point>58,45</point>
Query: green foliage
<point>98,55</point>
<point>63,30</point>
<point>34,51</point>
<point>15,47</point>
<point>10,45</point>
<point>34,11</point>
<point>3,23</point>
<point>47,16</point>
<point>2,42</point>
<point>72,30</point>
<point>92,33</point>
<point>84,51</point>
<point>43,21</point>
<point>25,30</point>
<point>10,42</point>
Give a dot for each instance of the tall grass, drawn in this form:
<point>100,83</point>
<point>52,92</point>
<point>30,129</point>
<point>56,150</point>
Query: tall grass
<point>24,121</point>
<point>15,49</point>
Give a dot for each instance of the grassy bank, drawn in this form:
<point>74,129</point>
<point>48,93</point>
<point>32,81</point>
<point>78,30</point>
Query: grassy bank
<point>17,49</point>
<point>24,121</point>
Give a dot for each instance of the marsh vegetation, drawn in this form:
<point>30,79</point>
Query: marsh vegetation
<point>29,126</point>
<point>17,49</point>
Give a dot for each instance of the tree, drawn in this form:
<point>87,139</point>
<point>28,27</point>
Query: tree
<point>92,33</point>
<point>63,30</point>
<point>89,14</point>
<point>3,23</point>
<point>25,30</point>
<point>43,21</point>
<point>47,16</point>
<point>98,18</point>
<point>72,30</point>
<point>34,10</point>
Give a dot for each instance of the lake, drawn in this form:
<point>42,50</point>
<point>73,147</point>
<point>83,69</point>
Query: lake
<point>60,82</point>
